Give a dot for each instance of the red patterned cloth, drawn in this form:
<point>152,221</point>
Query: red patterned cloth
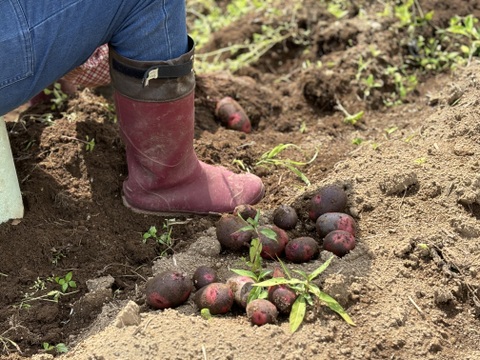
<point>94,72</point>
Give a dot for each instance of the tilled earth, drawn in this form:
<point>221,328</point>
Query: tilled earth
<point>412,284</point>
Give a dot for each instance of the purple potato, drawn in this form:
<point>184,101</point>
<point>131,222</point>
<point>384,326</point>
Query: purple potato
<point>203,276</point>
<point>271,249</point>
<point>168,289</point>
<point>339,242</point>
<point>302,249</point>
<point>216,297</point>
<point>331,221</point>
<point>330,198</point>
<point>237,284</point>
<point>285,217</point>
<point>261,312</point>
<point>229,234</point>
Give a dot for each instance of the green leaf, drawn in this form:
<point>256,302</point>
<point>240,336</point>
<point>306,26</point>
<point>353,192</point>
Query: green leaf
<point>333,305</point>
<point>301,273</point>
<point>297,314</point>
<point>278,281</point>
<point>68,277</point>
<point>285,269</point>
<point>245,228</point>
<point>269,233</point>
<point>320,269</point>
<point>242,272</point>
<point>264,273</point>
<point>61,348</point>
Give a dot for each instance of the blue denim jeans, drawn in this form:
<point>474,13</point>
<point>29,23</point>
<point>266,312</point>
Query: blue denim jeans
<point>42,40</point>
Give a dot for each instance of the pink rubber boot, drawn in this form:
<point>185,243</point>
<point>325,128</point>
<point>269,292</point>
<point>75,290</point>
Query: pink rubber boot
<point>155,110</point>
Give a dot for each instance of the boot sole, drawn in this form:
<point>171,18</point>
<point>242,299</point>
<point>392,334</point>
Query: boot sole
<point>166,213</point>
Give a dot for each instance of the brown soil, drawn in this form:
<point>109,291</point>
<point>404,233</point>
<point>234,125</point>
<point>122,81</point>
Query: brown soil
<point>412,284</point>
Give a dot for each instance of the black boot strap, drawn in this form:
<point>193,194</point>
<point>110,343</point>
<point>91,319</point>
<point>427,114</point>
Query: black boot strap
<point>155,72</point>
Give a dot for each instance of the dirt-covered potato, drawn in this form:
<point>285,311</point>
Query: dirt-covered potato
<point>245,211</point>
<point>168,289</point>
<point>301,249</point>
<point>339,242</point>
<point>285,217</point>
<point>330,198</point>
<point>216,297</point>
<point>237,284</point>
<point>203,276</point>
<point>282,296</point>
<point>271,249</point>
<point>331,221</point>
<point>261,312</point>
<point>229,234</point>
<point>232,115</point>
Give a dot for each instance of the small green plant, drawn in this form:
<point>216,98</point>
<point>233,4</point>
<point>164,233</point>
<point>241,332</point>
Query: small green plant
<point>368,84</point>
<point>254,262</point>
<point>89,143</point>
<point>164,239</point>
<point>270,158</point>
<point>466,27</point>
<point>308,293</point>
<point>357,141</point>
<point>351,119</point>
<point>66,282</point>
<point>60,348</point>
<point>57,255</point>
<point>337,9</point>
<point>58,97</point>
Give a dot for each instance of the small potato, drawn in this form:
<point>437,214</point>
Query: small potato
<point>271,249</point>
<point>237,284</point>
<point>261,312</point>
<point>331,221</point>
<point>302,249</point>
<point>203,276</point>
<point>168,289</point>
<point>330,198</point>
<point>232,115</point>
<point>283,298</point>
<point>285,217</point>
<point>339,242</point>
<point>216,297</point>
<point>229,234</point>
<point>246,211</point>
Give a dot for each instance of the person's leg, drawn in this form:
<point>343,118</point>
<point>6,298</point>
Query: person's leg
<point>43,40</point>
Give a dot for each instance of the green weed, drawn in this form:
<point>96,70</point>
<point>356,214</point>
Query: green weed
<point>308,293</point>
<point>270,158</point>
<point>60,348</point>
